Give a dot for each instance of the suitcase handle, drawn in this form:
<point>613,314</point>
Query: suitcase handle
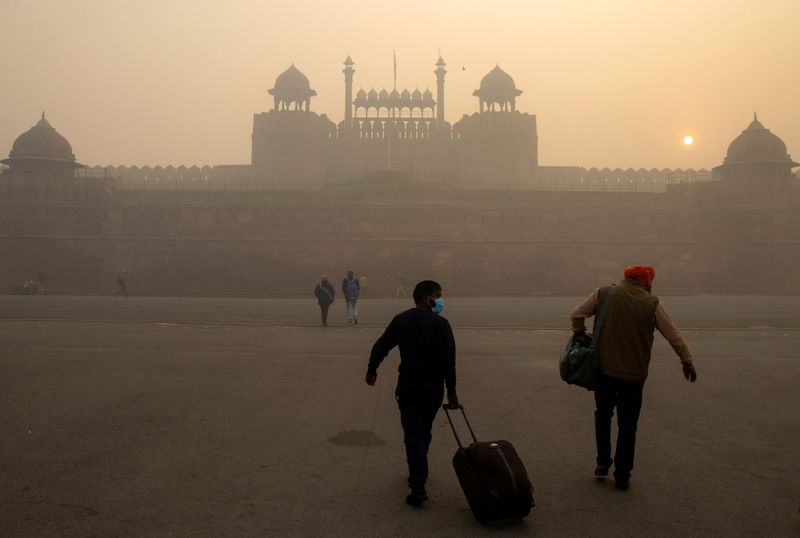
<point>447,408</point>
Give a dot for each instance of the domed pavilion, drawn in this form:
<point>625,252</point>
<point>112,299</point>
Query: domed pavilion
<point>756,154</point>
<point>497,88</point>
<point>292,89</point>
<point>41,149</point>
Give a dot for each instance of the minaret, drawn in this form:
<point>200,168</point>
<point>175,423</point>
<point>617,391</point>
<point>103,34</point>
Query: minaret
<point>348,92</point>
<point>440,73</point>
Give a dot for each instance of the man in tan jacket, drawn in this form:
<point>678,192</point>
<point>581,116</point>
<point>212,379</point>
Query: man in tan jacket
<point>624,349</point>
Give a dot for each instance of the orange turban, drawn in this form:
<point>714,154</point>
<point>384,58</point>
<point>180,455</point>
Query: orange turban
<point>643,273</point>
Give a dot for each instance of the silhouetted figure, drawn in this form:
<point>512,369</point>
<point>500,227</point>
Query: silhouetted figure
<point>122,282</point>
<point>427,365</point>
<point>624,349</point>
<point>399,285</point>
<point>325,295</point>
<point>351,290</point>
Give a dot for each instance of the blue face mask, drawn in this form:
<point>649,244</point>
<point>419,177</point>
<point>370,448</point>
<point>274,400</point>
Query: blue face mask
<point>438,305</point>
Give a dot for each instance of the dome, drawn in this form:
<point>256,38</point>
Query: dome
<point>497,88</point>
<point>383,94</point>
<point>756,143</point>
<point>416,95</point>
<point>42,142</point>
<point>292,79</point>
<point>497,79</point>
<point>361,94</point>
<point>292,90</point>
<point>427,94</point>
<point>394,95</point>
<point>406,94</point>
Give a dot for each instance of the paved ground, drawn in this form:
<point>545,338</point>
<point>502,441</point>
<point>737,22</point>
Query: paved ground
<point>210,417</point>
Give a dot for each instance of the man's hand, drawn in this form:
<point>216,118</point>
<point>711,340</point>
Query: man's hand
<point>452,400</point>
<point>371,378</point>
<point>689,372</point>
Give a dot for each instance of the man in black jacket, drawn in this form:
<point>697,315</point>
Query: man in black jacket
<point>325,295</point>
<point>427,363</point>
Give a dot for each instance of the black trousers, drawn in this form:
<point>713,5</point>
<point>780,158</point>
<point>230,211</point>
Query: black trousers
<point>626,396</point>
<point>323,308</point>
<point>419,400</point>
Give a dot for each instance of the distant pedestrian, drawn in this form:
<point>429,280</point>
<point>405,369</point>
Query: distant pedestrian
<point>427,367</point>
<point>122,282</point>
<point>624,349</point>
<point>351,290</point>
<point>362,284</point>
<point>325,295</point>
<point>399,285</point>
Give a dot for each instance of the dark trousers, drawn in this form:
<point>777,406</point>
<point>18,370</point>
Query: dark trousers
<point>626,396</point>
<point>323,308</point>
<point>419,401</point>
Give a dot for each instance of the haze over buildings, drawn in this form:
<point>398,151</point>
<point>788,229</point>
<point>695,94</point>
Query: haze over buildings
<point>389,162</point>
<point>611,84</point>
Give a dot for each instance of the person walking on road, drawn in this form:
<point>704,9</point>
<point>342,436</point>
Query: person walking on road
<point>325,295</point>
<point>363,283</point>
<point>399,285</point>
<point>351,289</point>
<point>624,350</point>
<point>427,366</point>
<point>122,282</point>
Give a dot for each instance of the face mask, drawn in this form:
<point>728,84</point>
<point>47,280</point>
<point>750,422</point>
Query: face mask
<point>438,305</point>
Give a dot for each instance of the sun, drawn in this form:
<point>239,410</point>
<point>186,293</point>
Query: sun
<point>688,140</point>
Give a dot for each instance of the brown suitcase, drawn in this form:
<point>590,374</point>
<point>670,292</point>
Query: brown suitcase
<point>492,476</point>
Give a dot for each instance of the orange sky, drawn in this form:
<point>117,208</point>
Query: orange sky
<point>613,83</point>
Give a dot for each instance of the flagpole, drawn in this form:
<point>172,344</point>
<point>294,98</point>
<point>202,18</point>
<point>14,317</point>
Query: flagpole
<point>390,124</point>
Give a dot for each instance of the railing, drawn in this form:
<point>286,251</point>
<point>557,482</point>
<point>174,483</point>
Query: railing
<point>616,183</point>
<point>227,184</point>
<point>590,183</point>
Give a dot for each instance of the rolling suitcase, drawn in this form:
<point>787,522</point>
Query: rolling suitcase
<point>492,476</point>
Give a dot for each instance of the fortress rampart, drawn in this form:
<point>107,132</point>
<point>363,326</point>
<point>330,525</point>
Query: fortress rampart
<point>478,244</point>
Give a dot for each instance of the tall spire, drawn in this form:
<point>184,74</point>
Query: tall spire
<point>755,116</point>
<point>440,73</point>
<point>348,91</point>
<point>394,56</point>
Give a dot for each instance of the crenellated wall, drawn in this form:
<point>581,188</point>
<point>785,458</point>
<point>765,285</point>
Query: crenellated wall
<point>702,238</point>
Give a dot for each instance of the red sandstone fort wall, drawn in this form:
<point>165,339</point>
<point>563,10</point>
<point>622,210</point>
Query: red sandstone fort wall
<point>478,244</point>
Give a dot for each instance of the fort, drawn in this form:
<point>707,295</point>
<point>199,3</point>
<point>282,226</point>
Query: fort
<point>395,187</point>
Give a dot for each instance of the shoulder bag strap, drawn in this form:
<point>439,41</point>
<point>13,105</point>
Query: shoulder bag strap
<point>601,318</point>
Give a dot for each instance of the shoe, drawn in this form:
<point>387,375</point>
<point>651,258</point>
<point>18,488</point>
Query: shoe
<point>355,321</point>
<point>601,470</point>
<point>622,485</point>
<point>415,498</point>
<point>350,321</point>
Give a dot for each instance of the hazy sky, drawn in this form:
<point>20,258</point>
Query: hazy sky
<point>614,83</point>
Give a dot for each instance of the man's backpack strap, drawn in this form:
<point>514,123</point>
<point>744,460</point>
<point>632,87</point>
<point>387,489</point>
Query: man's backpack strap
<point>601,317</point>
